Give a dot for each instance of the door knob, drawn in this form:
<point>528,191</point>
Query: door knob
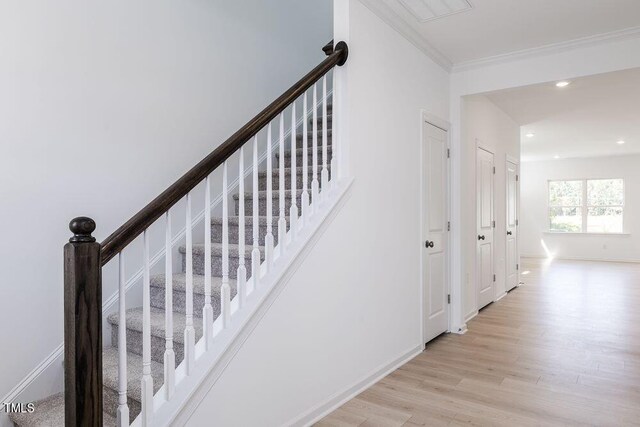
<point>429,244</point>
<point>480,237</point>
<point>509,233</point>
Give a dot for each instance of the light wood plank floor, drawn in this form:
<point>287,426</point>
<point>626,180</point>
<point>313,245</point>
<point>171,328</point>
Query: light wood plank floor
<point>561,350</point>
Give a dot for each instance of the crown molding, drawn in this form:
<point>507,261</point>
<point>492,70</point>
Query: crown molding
<point>624,34</point>
<point>395,21</point>
<point>388,15</point>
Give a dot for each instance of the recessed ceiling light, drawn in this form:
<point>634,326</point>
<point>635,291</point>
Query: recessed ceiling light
<point>556,157</point>
<point>620,142</point>
<point>530,135</point>
<point>563,83</point>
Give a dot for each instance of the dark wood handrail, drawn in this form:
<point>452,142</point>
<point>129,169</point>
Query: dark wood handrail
<point>124,235</point>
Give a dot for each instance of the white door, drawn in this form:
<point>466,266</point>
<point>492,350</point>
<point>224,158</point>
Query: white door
<point>513,260</point>
<point>435,232</point>
<point>485,224</point>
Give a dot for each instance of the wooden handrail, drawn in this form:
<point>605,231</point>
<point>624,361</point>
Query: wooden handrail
<point>124,235</point>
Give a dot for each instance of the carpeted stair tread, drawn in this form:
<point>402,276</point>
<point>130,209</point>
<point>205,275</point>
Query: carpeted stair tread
<point>235,258</point>
<point>299,171</point>
<point>134,322</point>
<point>299,135</point>
<point>216,250</point>
<point>262,194</point>
<point>49,412</point>
<point>263,177</point>
<point>319,120</point>
<point>134,372</point>
<point>299,151</point>
<point>180,283</point>
<point>134,375</point>
<point>235,220</point>
<point>263,202</point>
<point>158,288</point>
<point>234,237</point>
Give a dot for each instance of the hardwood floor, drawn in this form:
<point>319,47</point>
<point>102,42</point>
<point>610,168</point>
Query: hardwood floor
<point>561,350</point>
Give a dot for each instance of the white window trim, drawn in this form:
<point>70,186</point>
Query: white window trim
<point>585,208</point>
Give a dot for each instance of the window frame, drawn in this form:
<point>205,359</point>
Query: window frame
<point>584,207</point>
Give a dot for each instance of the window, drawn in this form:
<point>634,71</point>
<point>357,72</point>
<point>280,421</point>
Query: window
<point>586,206</point>
<point>565,206</point>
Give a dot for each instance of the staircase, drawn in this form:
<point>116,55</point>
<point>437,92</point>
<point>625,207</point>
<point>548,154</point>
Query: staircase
<point>50,411</point>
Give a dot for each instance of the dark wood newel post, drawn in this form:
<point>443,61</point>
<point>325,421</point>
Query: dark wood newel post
<point>82,327</point>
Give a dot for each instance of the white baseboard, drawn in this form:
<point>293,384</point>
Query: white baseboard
<point>501,296</point>
<point>471,315</point>
<point>577,258</point>
<point>459,329</point>
<point>334,402</point>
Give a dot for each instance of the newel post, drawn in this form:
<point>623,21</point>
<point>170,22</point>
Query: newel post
<point>82,327</point>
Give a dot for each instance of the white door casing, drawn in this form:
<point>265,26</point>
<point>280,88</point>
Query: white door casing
<point>512,215</point>
<point>485,271</point>
<point>435,231</point>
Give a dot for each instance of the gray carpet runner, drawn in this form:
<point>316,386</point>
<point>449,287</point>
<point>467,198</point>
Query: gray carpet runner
<point>50,411</point>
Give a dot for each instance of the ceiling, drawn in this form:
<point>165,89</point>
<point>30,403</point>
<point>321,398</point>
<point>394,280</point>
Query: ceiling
<point>497,27</point>
<point>584,119</point>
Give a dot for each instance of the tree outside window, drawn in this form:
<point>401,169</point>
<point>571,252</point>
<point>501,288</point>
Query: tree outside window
<point>586,206</point>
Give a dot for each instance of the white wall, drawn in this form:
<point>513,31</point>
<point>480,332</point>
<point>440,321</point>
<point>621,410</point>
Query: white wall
<point>104,104</point>
<point>535,221</point>
<point>543,66</point>
<point>353,306</point>
<point>486,125</point>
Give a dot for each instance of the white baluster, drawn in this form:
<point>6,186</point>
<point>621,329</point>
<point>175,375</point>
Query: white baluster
<point>189,331</point>
<point>293,211</point>
<point>242,269</point>
<point>268,239</point>
<point>315,185</point>
<point>123,407</point>
<point>207,310</point>
<point>305,160</point>
<point>325,139</point>
<point>169,353</point>
<point>147,380</point>
<point>255,253</point>
<point>225,290</point>
<point>335,152</point>
<point>282,221</point>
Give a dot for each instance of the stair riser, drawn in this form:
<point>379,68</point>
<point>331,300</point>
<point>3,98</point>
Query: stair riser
<point>216,233</point>
<point>299,138</point>
<point>329,121</point>
<point>299,160</point>
<point>319,112</point>
<point>110,404</point>
<point>216,265</point>
<point>180,301</point>
<point>134,343</point>
<point>262,180</point>
<point>300,152</point>
<point>262,207</point>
